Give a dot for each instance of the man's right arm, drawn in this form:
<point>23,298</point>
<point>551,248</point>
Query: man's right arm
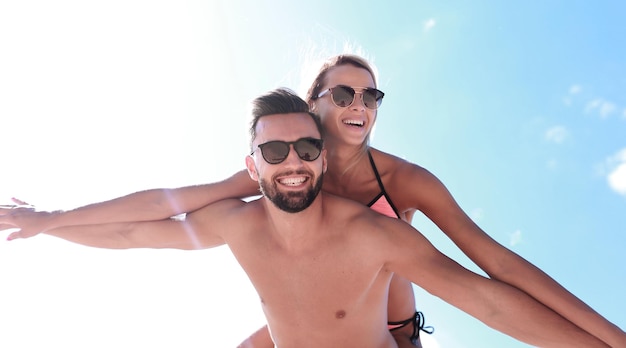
<point>150,205</point>
<point>201,229</point>
<point>169,233</point>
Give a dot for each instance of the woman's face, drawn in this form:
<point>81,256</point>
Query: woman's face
<point>351,124</point>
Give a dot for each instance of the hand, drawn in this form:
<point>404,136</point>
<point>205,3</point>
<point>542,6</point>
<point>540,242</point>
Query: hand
<point>23,217</point>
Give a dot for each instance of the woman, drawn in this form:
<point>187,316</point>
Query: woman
<point>344,95</point>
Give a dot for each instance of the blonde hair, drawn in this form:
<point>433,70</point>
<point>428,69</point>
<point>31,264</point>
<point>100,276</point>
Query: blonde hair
<point>342,59</point>
<point>320,80</point>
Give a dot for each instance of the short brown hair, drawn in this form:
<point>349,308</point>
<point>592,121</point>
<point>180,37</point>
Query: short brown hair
<point>280,101</point>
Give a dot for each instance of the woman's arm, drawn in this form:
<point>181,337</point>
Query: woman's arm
<point>155,204</point>
<point>202,229</point>
<point>430,196</point>
<point>259,339</point>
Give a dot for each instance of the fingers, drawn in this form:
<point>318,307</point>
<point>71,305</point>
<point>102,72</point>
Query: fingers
<point>4,227</point>
<point>7,217</point>
<point>14,235</point>
<point>20,219</point>
<point>7,209</point>
<point>20,202</point>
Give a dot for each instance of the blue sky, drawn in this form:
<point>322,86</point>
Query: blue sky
<point>517,107</point>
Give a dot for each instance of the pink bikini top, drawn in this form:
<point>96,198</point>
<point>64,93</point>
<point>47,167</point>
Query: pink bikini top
<point>382,202</point>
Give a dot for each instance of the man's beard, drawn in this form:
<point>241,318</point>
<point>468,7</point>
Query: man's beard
<point>291,202</point>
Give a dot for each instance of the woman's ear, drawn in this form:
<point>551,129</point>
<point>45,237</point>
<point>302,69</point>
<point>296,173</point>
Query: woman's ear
<point>251,166</point>
<point>312,106</point>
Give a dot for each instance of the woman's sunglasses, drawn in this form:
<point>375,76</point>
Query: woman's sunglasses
<point>343,96</point>
<point>274,152</point>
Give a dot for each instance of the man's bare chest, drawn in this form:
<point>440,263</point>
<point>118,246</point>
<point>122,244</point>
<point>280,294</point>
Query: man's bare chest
<point>331,280</point>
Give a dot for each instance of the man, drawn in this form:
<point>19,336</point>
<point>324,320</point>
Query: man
<point>322,264</point>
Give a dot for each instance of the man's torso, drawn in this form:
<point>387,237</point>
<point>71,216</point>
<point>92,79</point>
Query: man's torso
<point>327,290</point>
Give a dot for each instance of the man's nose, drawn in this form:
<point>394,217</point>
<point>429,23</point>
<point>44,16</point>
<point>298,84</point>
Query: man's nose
<point>292,157</point>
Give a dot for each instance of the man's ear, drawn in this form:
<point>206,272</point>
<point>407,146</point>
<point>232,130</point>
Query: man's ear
<point>250,165</point>
<point>312,106</point>
<point>324,161</point>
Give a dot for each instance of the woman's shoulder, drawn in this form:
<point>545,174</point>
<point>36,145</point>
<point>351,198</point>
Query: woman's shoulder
<point>397,167</point>
<point>410,186</point>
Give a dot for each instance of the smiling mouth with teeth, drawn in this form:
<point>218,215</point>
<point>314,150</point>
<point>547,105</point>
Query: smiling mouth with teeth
<point>293,181</point>
<point>354,123</point>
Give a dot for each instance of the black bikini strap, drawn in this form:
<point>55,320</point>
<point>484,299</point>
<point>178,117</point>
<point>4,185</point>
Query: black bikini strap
<point>418,322</point>
<point>381,186</point>
<point>380,182</point>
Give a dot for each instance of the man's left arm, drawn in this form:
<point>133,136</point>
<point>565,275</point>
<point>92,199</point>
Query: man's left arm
<point>497,304</point>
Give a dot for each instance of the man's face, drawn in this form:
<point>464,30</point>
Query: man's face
<point>292,184</point>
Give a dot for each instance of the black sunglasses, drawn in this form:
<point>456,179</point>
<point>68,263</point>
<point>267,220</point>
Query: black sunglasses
<point>343,96</point>
<point>276,151</point>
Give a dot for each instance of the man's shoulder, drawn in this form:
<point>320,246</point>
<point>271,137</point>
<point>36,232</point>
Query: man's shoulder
<point>357,222</point>
<point>345,208</point>
<point>338,201</point>
<point>225,216</point>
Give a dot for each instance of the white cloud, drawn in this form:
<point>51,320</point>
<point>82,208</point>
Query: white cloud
<point>617,172</point>
<point>592,105</point>
<point>557,134</point>
<point>552,164</point>
<point>617,179</point>
<point>575,89</point>
<point>601,106</point>
<point>607,109</point>
<point>598,105</point>
<point>567,101</point>
<point>515,238</point>
<point>429,24</point>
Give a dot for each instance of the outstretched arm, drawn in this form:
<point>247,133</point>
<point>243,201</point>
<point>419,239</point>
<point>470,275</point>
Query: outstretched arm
<point>147,205</point>
<point>174,234</point>
<point>495,303</point>
<point>430,196</point>
<point>200,230</point>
